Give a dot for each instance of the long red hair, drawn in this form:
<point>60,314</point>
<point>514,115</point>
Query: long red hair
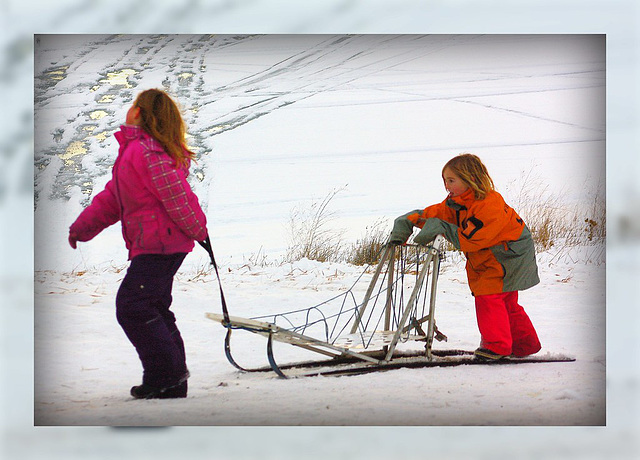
<point>160,117</point>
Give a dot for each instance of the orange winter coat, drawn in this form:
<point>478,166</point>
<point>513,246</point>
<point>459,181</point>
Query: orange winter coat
<point>498,245</point>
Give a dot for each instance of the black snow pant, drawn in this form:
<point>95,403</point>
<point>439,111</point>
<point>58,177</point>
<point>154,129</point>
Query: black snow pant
<point>142,309</point>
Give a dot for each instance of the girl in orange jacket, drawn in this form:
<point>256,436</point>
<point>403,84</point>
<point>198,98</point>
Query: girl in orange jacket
<point>498,247</point>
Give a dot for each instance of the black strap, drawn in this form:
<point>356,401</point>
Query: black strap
<point>206,244</point>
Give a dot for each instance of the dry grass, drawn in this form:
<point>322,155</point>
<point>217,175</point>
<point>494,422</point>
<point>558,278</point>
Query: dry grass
<point>556,226</point>
<point>310,233</point>
<point>367,249</point>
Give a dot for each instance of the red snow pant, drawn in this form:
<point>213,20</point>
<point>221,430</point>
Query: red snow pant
<point>504,326</point>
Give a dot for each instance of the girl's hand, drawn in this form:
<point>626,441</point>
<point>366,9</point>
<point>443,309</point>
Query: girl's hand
<point>73,239</point>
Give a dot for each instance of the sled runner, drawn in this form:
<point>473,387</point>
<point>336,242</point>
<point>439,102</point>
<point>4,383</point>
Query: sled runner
<point>344,366</point>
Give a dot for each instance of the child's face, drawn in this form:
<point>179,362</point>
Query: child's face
<point>452,182</point>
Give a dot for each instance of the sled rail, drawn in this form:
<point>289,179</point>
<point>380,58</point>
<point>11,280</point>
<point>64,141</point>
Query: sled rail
<point>286,336</point>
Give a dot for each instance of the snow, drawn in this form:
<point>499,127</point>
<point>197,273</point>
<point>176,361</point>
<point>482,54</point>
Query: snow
<point>87,384</point>
<point>278,123</point>
<point>618,20</point>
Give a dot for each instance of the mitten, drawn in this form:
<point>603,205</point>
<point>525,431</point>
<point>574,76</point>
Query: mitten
<point>73,239</point>
<point>402,229</point>
<point>434,227</point>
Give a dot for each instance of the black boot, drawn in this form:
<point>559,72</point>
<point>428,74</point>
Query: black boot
<point>145,391</point>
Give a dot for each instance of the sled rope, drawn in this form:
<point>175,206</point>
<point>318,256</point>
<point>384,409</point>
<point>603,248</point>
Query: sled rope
<point>206,244</point>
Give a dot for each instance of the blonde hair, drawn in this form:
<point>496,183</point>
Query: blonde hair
<point>471,170</point>
<point>160,118</point>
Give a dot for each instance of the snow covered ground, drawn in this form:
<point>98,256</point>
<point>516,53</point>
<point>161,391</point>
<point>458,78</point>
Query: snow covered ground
<point>618,19</point>
<point>85,366</point>
<point>278,122</point>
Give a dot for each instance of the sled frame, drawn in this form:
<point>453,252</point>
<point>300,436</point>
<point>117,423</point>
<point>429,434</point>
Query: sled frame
<point>431,263</point>
<point>391,337</point>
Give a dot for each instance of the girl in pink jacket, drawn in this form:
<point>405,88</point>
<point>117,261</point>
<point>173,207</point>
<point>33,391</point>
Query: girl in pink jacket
<point>161,218</point>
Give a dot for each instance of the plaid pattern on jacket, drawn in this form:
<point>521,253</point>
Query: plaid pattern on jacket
<point>150,196</point>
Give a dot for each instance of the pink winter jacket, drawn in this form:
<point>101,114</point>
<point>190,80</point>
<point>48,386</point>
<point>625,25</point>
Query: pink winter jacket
<point>159,212</point>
